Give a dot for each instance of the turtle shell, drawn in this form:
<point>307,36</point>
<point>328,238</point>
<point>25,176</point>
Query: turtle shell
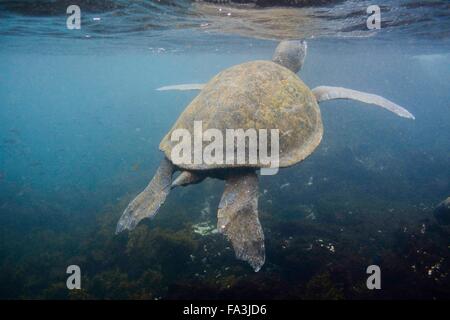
<point>258,95</point>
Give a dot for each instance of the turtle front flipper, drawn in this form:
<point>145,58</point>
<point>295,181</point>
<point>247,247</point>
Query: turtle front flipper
<point>183,87</point>
<point>324,93</point>
<point>147,203</point>
<point>237,218</point>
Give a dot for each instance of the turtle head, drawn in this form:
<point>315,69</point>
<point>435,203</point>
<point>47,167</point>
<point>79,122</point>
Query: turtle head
<point>291,54</point>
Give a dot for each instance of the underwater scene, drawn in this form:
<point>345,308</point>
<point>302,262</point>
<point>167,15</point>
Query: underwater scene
<point>95,204</point>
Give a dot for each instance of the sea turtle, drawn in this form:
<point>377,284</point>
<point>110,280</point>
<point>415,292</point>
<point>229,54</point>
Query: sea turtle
<point>255,94</point>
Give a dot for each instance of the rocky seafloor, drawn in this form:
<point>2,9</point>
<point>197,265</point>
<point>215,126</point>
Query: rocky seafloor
<point>318,251</point>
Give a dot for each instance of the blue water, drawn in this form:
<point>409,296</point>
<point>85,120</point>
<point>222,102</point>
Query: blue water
<point>81,121</point>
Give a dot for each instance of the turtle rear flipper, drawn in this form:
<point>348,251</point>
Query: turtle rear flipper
<point>147,203</point>
<point>237,218</point>
<point>188,177</point>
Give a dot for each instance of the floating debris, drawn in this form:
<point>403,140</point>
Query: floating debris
<point>435,268</point>
<point>423,229</point>
<point>311,216</point>
<point>330,246</point>
<point>285,185</point>
<point>307,211</point>
<point>204,228</point>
